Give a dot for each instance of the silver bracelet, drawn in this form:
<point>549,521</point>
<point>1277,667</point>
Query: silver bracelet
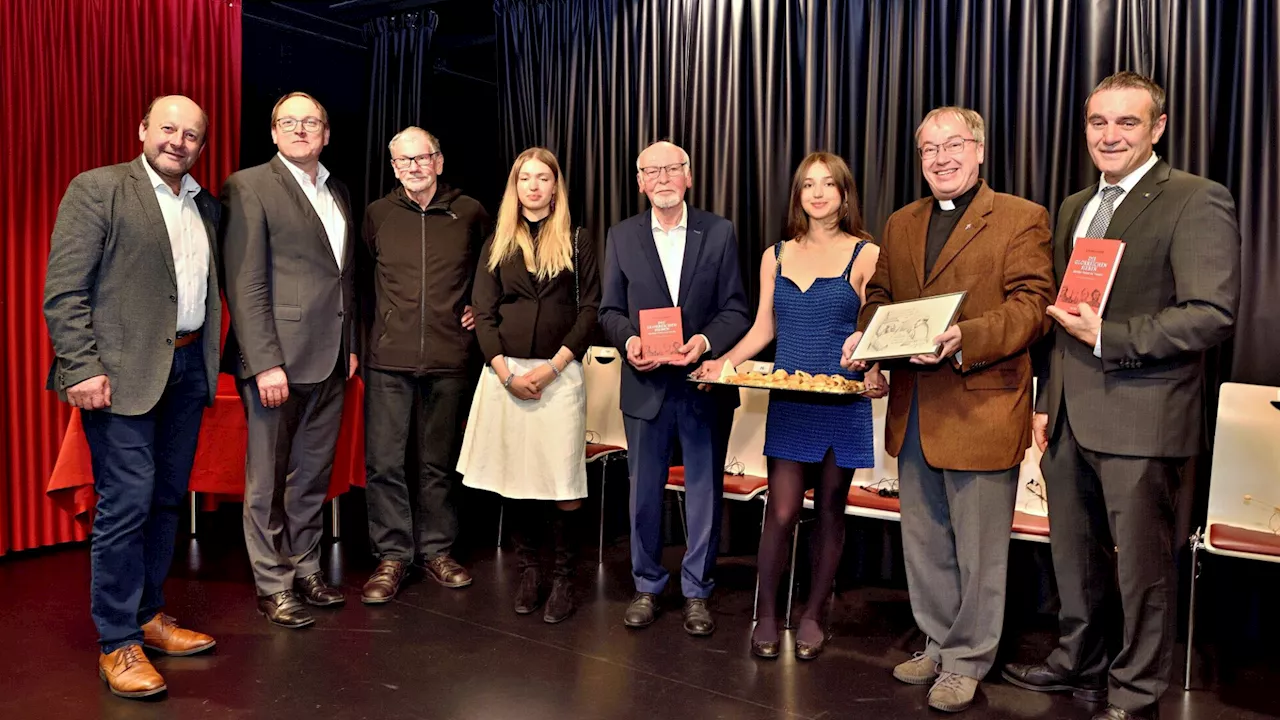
<point>554,369</point>
<point>510,377</point>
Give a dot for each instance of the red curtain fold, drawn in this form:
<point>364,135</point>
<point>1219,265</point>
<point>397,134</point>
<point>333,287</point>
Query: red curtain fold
<point>75,78</point>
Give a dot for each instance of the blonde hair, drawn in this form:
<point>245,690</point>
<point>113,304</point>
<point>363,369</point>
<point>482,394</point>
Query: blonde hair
<point>275,111</point>
<point>970,118</point>
<point>554,252</point>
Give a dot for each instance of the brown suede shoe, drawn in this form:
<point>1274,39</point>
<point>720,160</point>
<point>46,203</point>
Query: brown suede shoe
<point>383,585</point>
<point>129,673</point>
<point>446,571</point>
<point>162,634</point>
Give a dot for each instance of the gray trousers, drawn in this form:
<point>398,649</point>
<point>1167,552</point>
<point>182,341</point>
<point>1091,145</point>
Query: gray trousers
<point>1100,502</point>
<point>955,538</point>
<point>287,469</point>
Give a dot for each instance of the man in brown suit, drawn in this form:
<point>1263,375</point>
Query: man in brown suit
<point>957,419</point>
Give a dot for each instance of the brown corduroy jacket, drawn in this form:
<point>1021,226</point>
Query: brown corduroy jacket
<point>975,412</point>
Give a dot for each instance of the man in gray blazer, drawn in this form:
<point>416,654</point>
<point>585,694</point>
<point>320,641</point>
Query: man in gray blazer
<point>1119,408</point>
<point>131,301</point>
<point>287,242</point>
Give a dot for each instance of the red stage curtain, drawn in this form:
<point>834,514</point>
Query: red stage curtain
<point>75,78</point>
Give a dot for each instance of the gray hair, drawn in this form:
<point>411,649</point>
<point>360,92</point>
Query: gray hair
<point>683,154</point>
<point>435,144</point>
<point>970,118</point>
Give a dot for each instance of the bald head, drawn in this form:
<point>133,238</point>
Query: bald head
<point>663,174</point>
<point>173,133</point>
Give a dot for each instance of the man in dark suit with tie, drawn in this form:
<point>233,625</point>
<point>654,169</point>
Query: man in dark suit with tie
<point>288,241</point>
<point>673,256</point>
<point>1120,400</point>
<point>131,301</point>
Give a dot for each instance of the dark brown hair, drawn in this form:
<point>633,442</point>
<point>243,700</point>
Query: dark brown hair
<point>850,206</point>
<point>1126,79</point>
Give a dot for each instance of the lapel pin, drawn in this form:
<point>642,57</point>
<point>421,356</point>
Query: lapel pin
<point>966,227</point>
<point>1145,195</point>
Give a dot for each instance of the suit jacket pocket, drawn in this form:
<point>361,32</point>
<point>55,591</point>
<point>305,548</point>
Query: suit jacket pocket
<point>288,312</point>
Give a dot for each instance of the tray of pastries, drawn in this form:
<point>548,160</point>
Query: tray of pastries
<point>782,380</point>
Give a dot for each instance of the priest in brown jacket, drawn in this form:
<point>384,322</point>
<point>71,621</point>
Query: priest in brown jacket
<point>957,419</point>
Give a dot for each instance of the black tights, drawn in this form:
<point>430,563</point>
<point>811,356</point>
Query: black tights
<point>787,482</point>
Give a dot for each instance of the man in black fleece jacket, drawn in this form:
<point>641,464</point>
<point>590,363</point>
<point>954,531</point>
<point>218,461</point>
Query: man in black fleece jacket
<point>424,239</point>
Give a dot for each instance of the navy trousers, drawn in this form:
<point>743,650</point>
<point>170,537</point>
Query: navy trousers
<point>702,424</point>
<point>141,465</point>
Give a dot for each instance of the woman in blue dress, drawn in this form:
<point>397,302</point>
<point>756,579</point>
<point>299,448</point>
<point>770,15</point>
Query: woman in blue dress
<point>811,288</point>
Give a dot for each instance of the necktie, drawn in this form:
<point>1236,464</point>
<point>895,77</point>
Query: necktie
<point>1106,208</point>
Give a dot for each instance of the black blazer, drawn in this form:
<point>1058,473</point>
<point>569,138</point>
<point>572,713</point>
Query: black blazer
<point>519,316</point>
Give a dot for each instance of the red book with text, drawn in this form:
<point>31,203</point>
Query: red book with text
<point>661,333</point>
<point>1090,274</point>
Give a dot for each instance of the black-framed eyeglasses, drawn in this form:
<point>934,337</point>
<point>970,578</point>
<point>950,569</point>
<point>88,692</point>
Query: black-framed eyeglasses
<point>652,172</point>
<point>1273,523</point>
<point>1037,488</point>
<point>422,160</point>
<point>310,124</point>
<point>884,487</point>
<point>954,146</point>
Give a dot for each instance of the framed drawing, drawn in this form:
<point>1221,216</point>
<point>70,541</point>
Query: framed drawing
<point>907,328</point>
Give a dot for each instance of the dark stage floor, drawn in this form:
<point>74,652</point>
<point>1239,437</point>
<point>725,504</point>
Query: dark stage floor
<point>441,654</point>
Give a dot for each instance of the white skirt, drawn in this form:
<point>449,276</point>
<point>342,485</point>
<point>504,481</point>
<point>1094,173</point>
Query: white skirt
<point>527,450</point>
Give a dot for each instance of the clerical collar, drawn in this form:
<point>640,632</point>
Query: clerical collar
<point>961,201</point>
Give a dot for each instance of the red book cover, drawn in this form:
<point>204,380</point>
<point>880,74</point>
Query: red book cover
<point>1090,274</point>
<point>661,333</point>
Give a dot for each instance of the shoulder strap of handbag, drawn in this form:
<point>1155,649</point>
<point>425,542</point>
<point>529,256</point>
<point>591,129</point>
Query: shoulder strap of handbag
<point>576,300</point>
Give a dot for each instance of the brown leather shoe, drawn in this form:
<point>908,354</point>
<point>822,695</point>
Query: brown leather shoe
<point>446,571</point>
<point>129,673</point>
<point>162,634</point>
<point>384,583</point>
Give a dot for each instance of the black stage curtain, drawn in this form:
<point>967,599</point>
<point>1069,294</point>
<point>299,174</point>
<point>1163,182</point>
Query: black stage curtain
<point>749,88</point>
<point>399,67</point>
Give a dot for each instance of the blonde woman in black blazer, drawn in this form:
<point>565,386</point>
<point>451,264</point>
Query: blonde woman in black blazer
<point>536,294</point>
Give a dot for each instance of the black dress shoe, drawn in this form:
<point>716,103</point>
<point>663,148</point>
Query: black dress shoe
<point>285,609</point>
<point>1114,713</point>
<point>313,589</point>
<point>1041,678</point>
<point>697,618</point>
<point>384,583</point>
<point>642,611</point>
<point>560,604</point>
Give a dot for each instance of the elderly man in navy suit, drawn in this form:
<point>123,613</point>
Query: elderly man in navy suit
<point>673,256</point>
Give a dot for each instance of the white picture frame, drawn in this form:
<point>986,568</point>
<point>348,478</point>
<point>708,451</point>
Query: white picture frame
<point>907,328</point>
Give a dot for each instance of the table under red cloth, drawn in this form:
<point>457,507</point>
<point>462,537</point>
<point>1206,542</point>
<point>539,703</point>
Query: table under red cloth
<point>219,464</point>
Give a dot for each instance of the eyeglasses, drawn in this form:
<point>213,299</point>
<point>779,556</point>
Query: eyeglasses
<point>651,173</point>
<point>1037,489</point>
<point>289,124</point>
<point>884,487</point>
<point>735,467</point>
<point>954,146</point>
<point>422,160</point>
<point>1274,521</point>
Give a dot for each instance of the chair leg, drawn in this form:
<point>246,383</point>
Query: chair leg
<point>791,581</point>
<point>1196,544</point>
<point>193,514</point>
<point>502,509</point>
<point>755,605</point>
<point>604,479</point>
<point>337,522</point>
<point>684,524</point>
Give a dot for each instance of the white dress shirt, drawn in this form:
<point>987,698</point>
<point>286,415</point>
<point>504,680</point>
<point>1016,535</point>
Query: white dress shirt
<point>1091,208</point>
<point>670,245</point>
<point>335,225</point>
<point>190,246</point>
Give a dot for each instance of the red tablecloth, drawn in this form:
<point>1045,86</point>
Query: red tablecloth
<point>219,465</point>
